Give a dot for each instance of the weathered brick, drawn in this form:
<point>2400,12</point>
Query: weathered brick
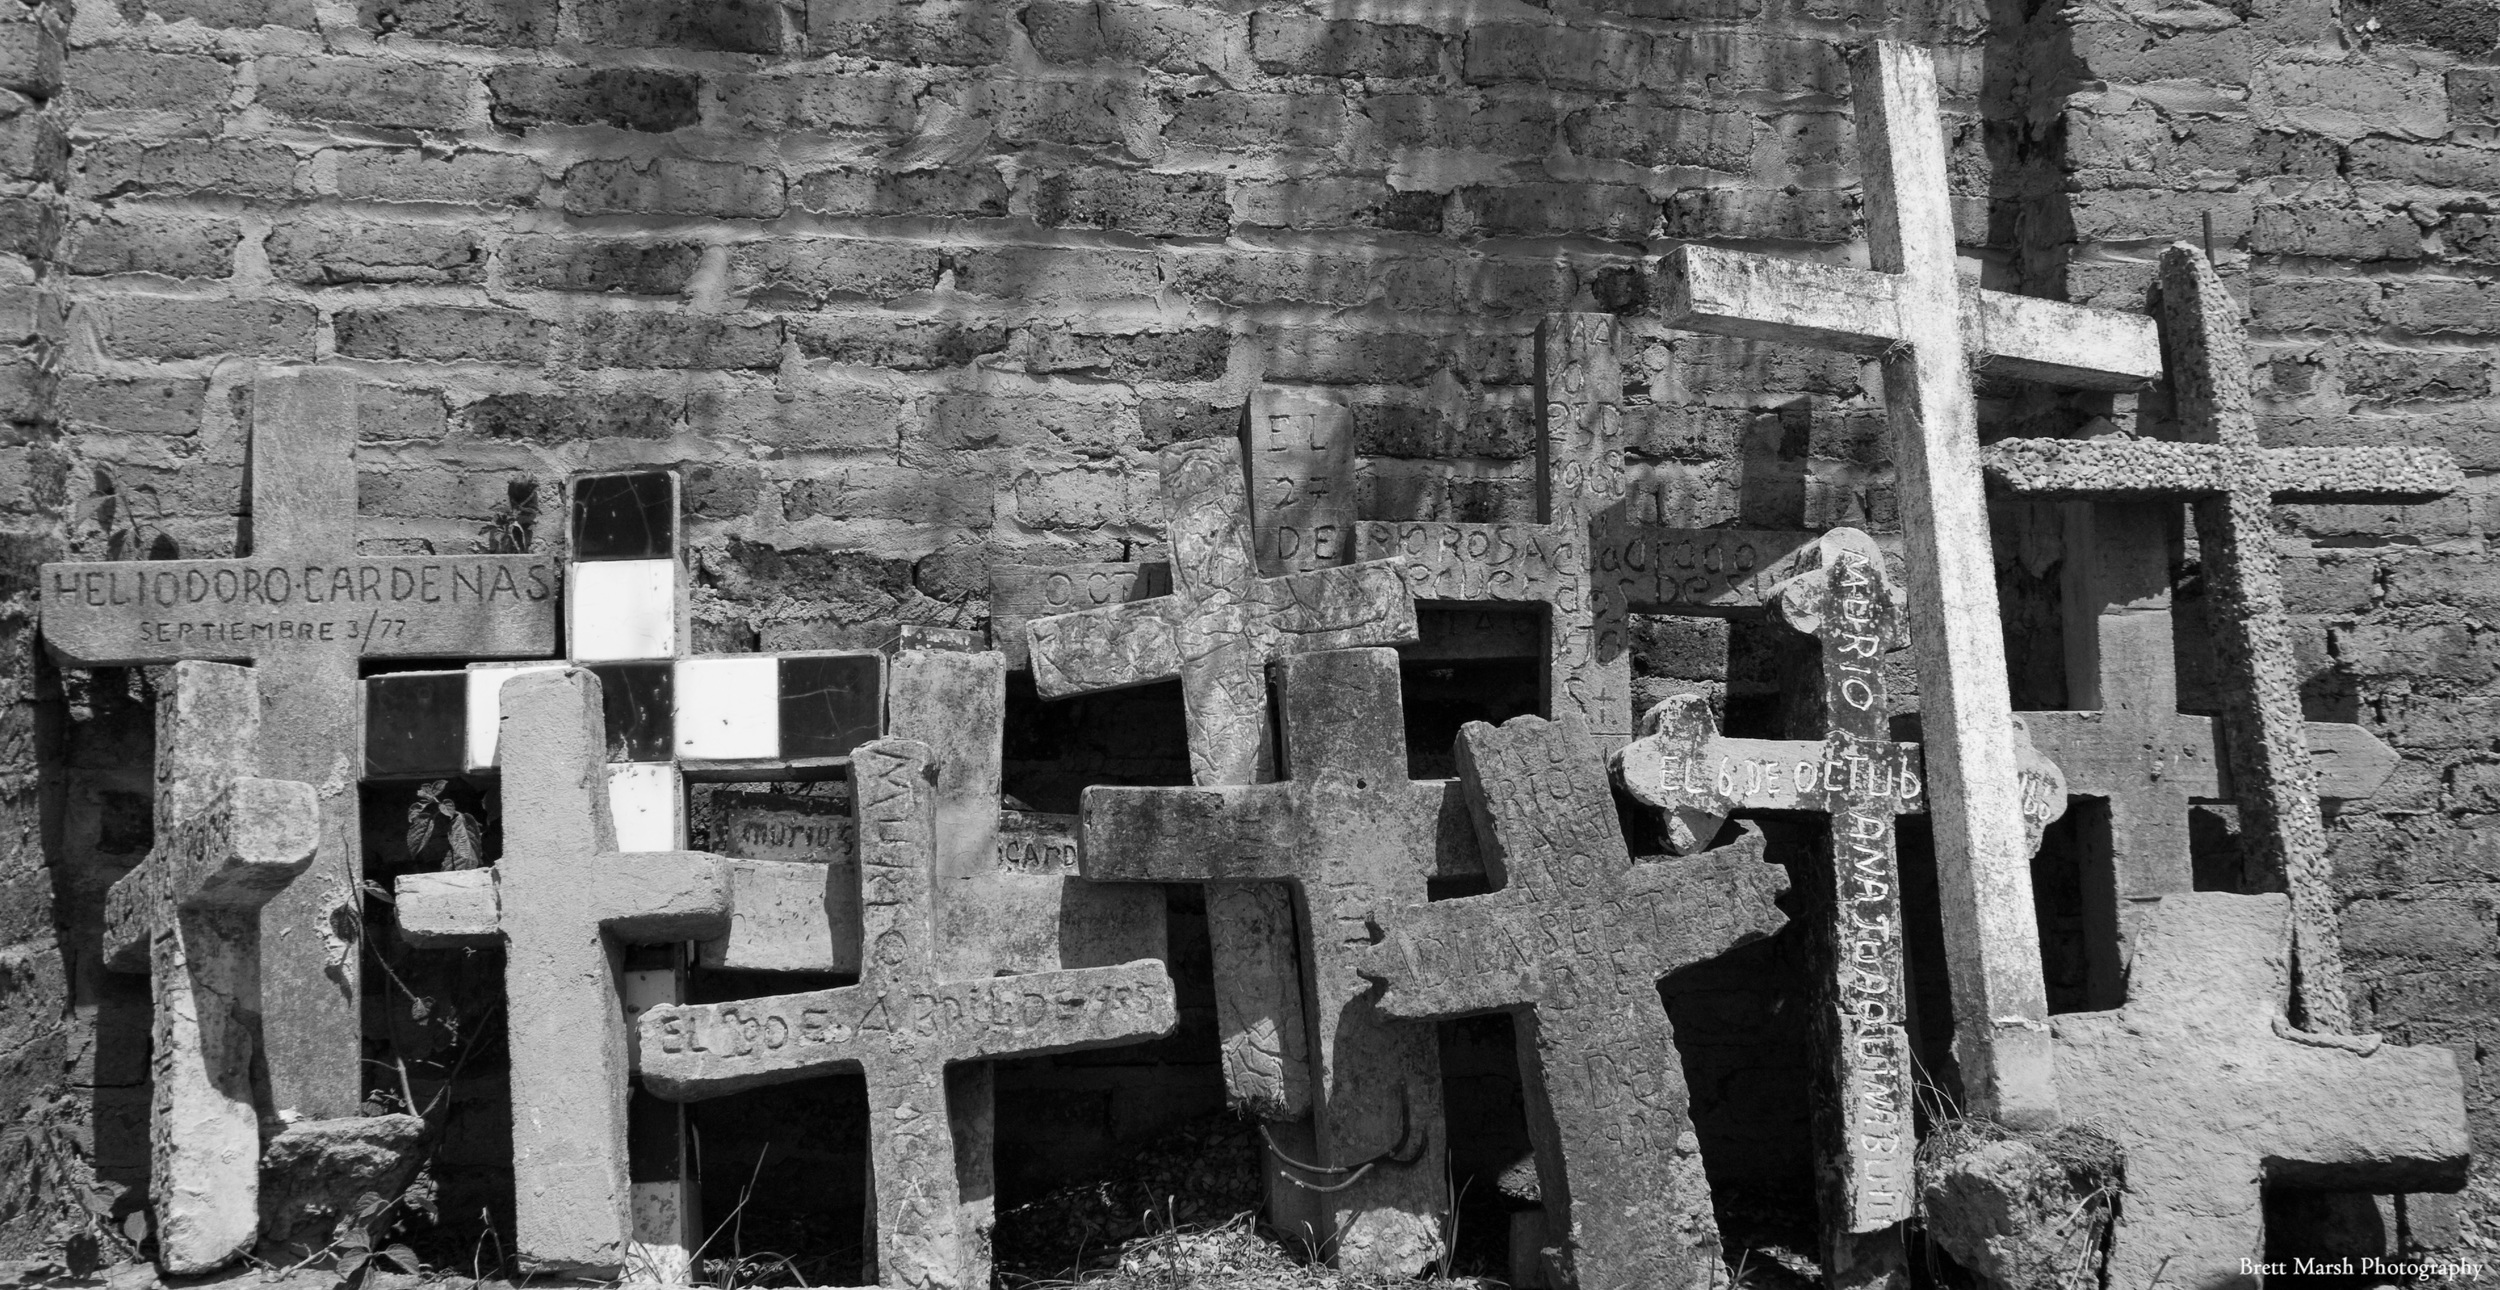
<point>629,98</point>
<point>1062,112</point>
<point>151,241</point>
<point>2472,169</point>
<point>113,77</point>
<point>1054,273</point>
<point>1245,278</point>
<point>2461,431</point>
<point>1591,58</point>
<point>1164,422</point>
<point>441,333</point>
<point>1505,284</point>
<point>903,345</point>
<point>168,407</point>
<point>29,226</point>
<point>326,253</point>
<point>2152,215</point>
<point>2471,30</point>
<point>1188,205</point>
<point>1399,123</point>
<point>2133,53</point>
<point>300,14</point>
<point>976,421</point>
<point>1077,498</point>
<point>801,414</point>
<point>163,327</point>
<point>2314,304</point>
<point>875,491</point>
<point>822,102</point>
<point>470,22</point>
<point>1196,355</point>
<point>740,26</point>
<point>2335,231</point>
<point>367,91</point>
<point>465,178</point>
<point>2440,652</point>
<point>1336,203</point>
<point>2456,580</point>
<point>2349,98</point>
<point>1163,37</point>
<point>956,32</point>
<point>2474,94</point>
<point>2472,237</point>
<point>1433,433</point>
<point>1253,122</point>
<point>398,414</point>
<point>2432,307</point>
<point>1292,44</point>
<point>675,339</point>
<point>571,417</point>
<point>33,146</point>
<point>2407,375</point>
<point>1616,211</point>
<point>965,191</point>
<point>674,186</point>
<point>2419,929</point>
<point>32,50</point>
<point>1650,136</point>
<point>1350,358</point>
<point>562,262</point>
<point>806,273</point>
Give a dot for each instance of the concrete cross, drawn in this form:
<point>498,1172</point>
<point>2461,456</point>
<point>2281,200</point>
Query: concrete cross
<point>563,901</point>
<point>1346,833</point>
<point>2235,482</point>
<point>189,916</point>
<point>306,609</point>
<point>2215,1096</point>
<point>902,1026</point>
<point>1913,311</point>
<point>1217,632</point>
<point>1573,943</point>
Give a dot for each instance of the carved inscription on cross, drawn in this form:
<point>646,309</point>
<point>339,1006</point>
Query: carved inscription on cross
<point>1574,943</point>
<point>2215,1096</point>
<point>2235,483</point>
<point>189,916</point>
<point>1218,631</point>
<point>561,900</point>
<point>304,607</point>
<point>1344,831</point>
<point>902,1025</point>
<point>1913,311</point>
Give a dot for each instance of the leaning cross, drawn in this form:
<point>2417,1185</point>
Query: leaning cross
<point>189,916</point>
<point>1913,311</point>
<point>2215,1096</point>
<point>1574,943</point>
<point>902,1025</point>
<point>1344,832</point>
<point>2235,483</point>
<point>1218,631</point>
<point>559,895</point>
<point>306,609</point>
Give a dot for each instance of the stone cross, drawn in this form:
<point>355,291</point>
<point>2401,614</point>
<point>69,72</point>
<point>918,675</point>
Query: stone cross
<point>1573,943</point>
<point>1913,311</point>
<point>903,1025</point>
<point>1344,832</point>
<point>2234,481</point>
<point>562,901</point>
<point>189,916</point>
<point>2214,1095</point>
<point>1217,632</point>
<point>305,608</point>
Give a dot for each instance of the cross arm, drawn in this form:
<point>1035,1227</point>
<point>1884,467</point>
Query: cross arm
<point>656,896</point>
<point>2361,474</point>
<point>1692,908</point>
<point>2058,343</point>
<point>441,910</point>
<point>1446,959</point>
<point>1346,606</point>
<point>2097,758</point>
<point>2122,468</point>
<point>685,1052</point>
<point>1245,833</point>
<point>1041,1013</point>
<point>254,837</point>
<point>1106,648</point>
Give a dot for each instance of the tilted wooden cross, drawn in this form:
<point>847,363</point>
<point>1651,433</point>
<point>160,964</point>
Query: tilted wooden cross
<point>1913,310</point>
<point>1573,943</point>
<point>2234,481</point>
<point>903,1026</point>
<point>560,901</point>
<point>306,609</point>
<point>2215,1097</point>
<point>189,916</point>
<point>1345,832</point>
<point>1217,632</point>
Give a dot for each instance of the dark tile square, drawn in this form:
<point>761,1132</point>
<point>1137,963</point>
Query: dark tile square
<point>640,703</point>
<point>625,517</point>
<point>830,704</point>
<point>416,725</point>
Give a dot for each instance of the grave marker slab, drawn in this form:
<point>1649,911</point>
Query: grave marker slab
<point>304,608</point>
<point>2234,482</point>
<point>1913,311</point>
<point>189,916</point>
<point>1574,943</point>
<point>1217,632</point>
<point>1343,832</point>
<point>2214,1096</point>
<point>903,1025</point>
<point>1300,453</point>
<point>1020,593</point>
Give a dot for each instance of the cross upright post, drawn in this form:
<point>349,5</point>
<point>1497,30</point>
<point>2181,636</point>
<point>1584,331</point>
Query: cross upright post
<point>2234,481</point>
<point>1913,311</point>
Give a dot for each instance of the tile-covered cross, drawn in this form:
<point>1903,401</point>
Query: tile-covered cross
<point>305,609</point>
<point>903,1025</point>
<point>189,916</point>
<point>1574,942</point>
<point>2218,462</point>
<point>1914,312</point>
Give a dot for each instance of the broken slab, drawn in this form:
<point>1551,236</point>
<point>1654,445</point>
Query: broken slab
<point>2021,1211</point>
<point>318,1172</point>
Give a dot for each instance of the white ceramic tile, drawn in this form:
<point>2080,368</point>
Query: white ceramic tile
<point>729,709</point>
<point>647,800</point>
<point>621,609</point>
<point>486,681</point>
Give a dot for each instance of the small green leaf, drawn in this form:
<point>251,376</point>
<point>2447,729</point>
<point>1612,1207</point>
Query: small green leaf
<point>353,1262</point>
<point>401,1257</point>
<point>135,1227</point>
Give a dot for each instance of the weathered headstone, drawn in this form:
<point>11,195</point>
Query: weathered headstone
<point>1299,448</point>
<point>1574,943</point>
<point>1020,593</point>
<point>2214,1096</point>
<point>1217,632</point>
<point>305,608</point>
<point>1913,310</point>
<point>903,1025</point>
<point>2234,481</point>
<point>189,916</point>
<point>562,895</point>
<point>1343,831</point>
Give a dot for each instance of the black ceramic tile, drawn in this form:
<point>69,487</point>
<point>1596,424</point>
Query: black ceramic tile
<point>416,725</point>
<point>829,704</point>
<point>624,517</point>
<point>639,701</point>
